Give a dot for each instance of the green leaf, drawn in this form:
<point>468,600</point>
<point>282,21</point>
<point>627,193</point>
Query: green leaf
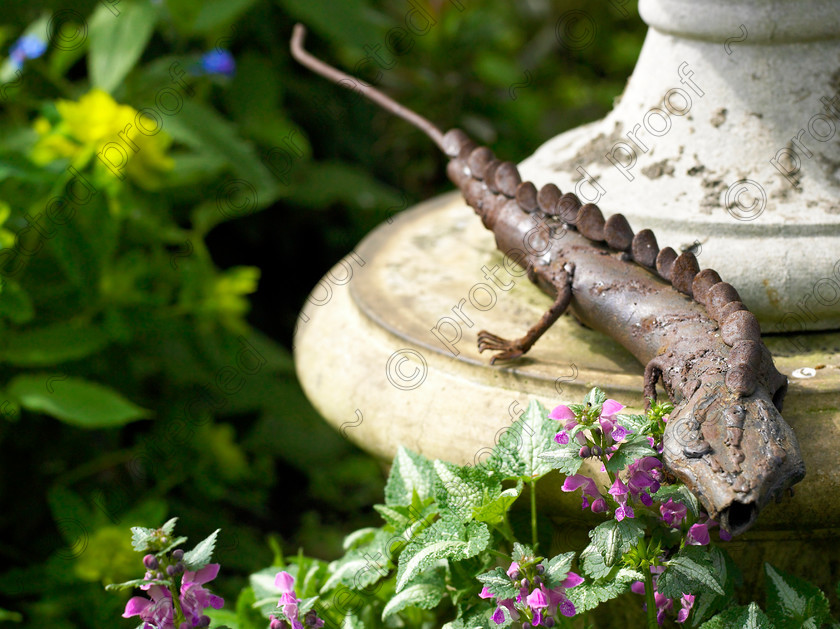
<point>74,401</point>
<point>409,472</point>
<point>633,423</point>
<point>679,493</point>
<point>494,511</point>
<point>708,602</point>
<point>518,455</point>
<point>557,568</point>
<point>461,490</point>
<point>635,447</point>
<point>793,602</point>
<point>613,538</point>
<point>595,397</point>
<point>141,537</point>
<point>565,458</point>
<point>51,344</point>
<point>593,563</point>
<point>204,130</point>
<point>522,552</point>
<point>168,527</point>
<point>499,583</point>
<point>201,555</point>
<point>130,585</point>
<point>424,595</point>
<point>688,572</point>
<point>588,596</point>
<point>448,538</point>
<point>117,41</point>
<point>749,617</point>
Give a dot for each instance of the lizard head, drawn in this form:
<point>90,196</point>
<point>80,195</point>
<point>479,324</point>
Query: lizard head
<point>734,452</point>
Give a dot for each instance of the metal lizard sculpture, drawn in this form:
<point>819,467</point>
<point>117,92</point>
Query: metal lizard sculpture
<point>726,438</point>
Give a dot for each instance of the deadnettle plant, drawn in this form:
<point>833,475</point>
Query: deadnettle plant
<point>289,613</point>
<point>174,582</point>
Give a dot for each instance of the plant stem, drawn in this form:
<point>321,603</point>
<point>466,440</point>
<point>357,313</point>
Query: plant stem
<point>534,539</point>
<point>649,599</point>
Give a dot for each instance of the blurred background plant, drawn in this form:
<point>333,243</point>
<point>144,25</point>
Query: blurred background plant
<point>173,186</point>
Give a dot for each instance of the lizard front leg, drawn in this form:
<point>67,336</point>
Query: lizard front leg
<point>510,350</point>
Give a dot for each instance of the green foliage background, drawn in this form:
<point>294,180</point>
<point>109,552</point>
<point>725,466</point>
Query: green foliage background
<point>138,305</point>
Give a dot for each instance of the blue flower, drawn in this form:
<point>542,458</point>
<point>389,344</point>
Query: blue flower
<point>218,62</point>
<point>26,47</point>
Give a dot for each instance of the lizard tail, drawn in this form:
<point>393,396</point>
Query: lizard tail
<point>345,80</point>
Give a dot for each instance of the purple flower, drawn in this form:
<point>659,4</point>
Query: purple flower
<point>624,511</point>
<point>618,489</point>
<point>195,598</point>
<point>687,602</point>
<point>512,570</point>
<point>643,478</point>
<point>562,437</point>
<point>698,534</point>
<point>26,47</point>
<point>218,62</point>
<point>579,481</point>
<point>619,433</point>
<point>485,593</point>
<point>599,505</point>
<point>289,604</point>
<point>537,600</point>
<point>157,612</point>
<point>673,513</point>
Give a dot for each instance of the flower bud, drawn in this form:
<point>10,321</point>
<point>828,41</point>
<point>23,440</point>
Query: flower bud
<point>204,621</point>
<point>179,567</point>
<point>516,575</point>
<point>548,622</point>
<point>151,562</point>
<point>524,583</point>
<point>585,452</point>
<point>170,570</point>
<point>177,554</point>
<point>540,568</point>
<point>596,451</point>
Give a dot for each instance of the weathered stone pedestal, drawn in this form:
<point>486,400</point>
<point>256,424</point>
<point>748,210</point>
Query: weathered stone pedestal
<point>371,360</point>
<point>725,141</point>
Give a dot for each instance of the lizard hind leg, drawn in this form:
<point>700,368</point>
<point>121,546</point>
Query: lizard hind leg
<point>513,349</point>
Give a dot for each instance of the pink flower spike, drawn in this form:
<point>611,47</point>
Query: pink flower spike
<point>599,505</point>
<point>610,408</point>
<point>572,579</point>
<point>498,616</point>
<point>638,587</point>
<point>135,606</point>
<point>619,433</point>
<point>567,608</point>
<point>485,593</point>
<point>562,413</point>
<point>284,581</point>
<point>514,567</point>
<point>562,437</point>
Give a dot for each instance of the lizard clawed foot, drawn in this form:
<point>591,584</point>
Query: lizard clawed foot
<point>508,350</point>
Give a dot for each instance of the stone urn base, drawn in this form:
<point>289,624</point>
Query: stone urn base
<point>386,351</point>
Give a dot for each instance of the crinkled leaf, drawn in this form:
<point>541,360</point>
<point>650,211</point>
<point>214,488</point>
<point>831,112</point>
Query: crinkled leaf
<point>494,511</point>
<point>793,602</point>
<point>74,401</point>
<point>518,455</point>
<point>633,423</point>
<point>635,447</point>
<point>200,556</point>
<point>749,617</point>
<point>395,516</point>
<point>688,572</point>
<point>565,458</point>
<point>357,538</point>
<point>588,596</point>
<point>595,397</point>
<point>448,538</point>
<point>130,585</point>
<point>613,538</point>
<point>140,538</point>
<point>593,563</point>
<point>409,472</point>
<point>708,602</point>
<point>479,617</point>
<point>557,568</point>
<point>521,551</point>
<point>499,583</point>
<point>679,493</point>
<point>459,490</point>
<point>425,594</point>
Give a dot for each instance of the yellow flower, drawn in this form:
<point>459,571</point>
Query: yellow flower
<point>97,125</point>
